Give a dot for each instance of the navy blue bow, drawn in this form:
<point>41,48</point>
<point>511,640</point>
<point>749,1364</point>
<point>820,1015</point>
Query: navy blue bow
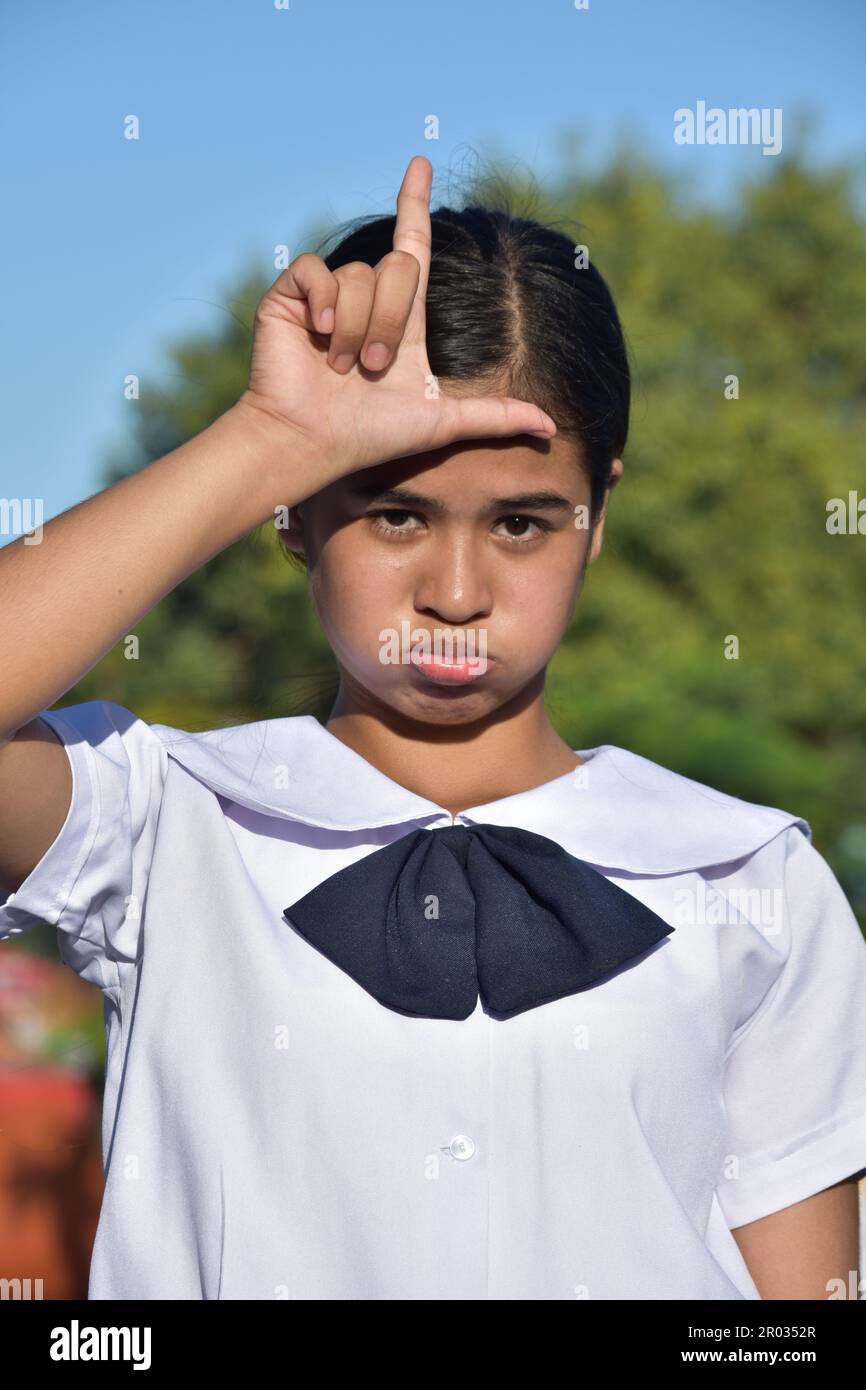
<point>428,923</point>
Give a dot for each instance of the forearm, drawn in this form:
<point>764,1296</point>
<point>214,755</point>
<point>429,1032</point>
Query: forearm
<point>103,564</point>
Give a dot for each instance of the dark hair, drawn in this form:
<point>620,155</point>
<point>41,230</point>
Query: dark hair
<point>508,310</point>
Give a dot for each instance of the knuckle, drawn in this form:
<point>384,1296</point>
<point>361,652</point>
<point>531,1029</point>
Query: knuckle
<point>404,258</point>
<point>357,271</point>
<point>416,234</point>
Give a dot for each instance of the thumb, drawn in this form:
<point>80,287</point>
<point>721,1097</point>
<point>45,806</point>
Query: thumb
<point>480,417</point>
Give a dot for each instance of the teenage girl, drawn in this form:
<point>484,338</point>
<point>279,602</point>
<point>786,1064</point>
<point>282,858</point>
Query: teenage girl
<point>423,1003</point>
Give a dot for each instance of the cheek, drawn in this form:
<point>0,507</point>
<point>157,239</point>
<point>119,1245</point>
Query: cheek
<point>354,599</point>
<point>540,602</point>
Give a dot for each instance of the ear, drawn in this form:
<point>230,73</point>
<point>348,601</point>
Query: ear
<point>598,532</point>
<point>289,526</point>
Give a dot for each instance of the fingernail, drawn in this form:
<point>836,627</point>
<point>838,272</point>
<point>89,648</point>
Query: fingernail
<point>326,320</point>
<point>375,356</point>
<point>343,362</point>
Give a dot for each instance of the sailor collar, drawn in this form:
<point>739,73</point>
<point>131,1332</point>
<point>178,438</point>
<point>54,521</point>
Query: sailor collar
<point>623,810</point>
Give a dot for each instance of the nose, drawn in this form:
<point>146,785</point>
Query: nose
<point>453,581</point>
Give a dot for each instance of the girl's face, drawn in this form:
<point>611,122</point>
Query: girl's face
<point>462,564</point>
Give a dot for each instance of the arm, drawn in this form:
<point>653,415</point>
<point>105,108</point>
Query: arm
<point>795,1252</point>
<point>100,567</point>
<point>103,564</point>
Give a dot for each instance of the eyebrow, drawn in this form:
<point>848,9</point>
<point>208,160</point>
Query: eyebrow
<point>522,501</point>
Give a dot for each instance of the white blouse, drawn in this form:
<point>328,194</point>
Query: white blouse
<point>271,1131</point>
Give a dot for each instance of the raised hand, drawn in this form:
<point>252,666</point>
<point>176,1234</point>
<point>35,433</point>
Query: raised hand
<point>315,364</point>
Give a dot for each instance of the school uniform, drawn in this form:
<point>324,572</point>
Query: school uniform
<point>303,1111</point>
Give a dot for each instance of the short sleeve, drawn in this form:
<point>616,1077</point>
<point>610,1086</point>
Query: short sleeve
<point>795,1072</point>
<point>90,882</point>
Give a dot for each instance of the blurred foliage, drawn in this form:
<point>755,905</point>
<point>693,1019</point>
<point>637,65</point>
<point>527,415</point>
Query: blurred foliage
<point>718,527</point>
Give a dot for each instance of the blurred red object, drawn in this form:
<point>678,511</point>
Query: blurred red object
<point>51,1177</point>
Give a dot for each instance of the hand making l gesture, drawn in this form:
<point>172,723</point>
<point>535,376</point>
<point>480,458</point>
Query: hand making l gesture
<point>316,364</point>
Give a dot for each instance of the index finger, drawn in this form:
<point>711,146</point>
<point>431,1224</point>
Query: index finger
<point>412,231</point>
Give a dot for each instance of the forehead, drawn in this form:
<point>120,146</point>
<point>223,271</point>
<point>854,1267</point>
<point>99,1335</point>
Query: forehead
<point>476,470</point>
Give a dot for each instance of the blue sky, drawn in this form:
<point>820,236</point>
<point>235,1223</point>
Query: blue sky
<point>259,124</point>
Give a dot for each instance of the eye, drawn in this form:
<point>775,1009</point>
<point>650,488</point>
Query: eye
<point>382,522</point>
<point>538,522</point>
<point>385,523</point>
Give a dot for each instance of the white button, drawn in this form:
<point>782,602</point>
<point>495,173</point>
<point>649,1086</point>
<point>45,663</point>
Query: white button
<point>461,1146</point>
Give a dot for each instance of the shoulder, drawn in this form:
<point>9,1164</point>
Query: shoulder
<point>107,742</point>
<point>270,765</point>
<point>105,739</point>
<point>228,749</point>
<point>648,818</point>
